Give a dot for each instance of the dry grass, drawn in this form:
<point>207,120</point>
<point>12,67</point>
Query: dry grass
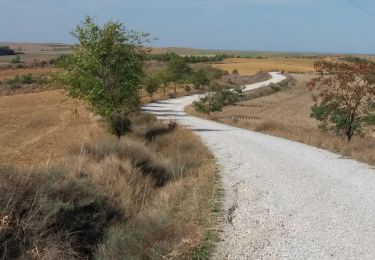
<point>287,114</point>
<point>246,66</point>
<point>38,128</point>
<point>11,73</point>
<point>155,200</point>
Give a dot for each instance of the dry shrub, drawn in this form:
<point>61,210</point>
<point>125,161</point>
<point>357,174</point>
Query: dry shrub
<point>136,152</point>
<point>266,126</point>
<point>118,179</point>
<point>171,219</point>
<point>46,215</point>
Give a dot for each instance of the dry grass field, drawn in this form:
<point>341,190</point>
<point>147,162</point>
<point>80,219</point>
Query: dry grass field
<point>11,73</point>
<point>287,114</point>
<point>246,66</point>
<point>39,127</point>
<point>134,198</point>
<point>35,51</point>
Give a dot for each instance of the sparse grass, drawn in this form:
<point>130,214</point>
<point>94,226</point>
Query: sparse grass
<point>149,199</point>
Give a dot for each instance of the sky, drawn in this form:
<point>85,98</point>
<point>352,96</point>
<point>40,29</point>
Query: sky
<point>339,26</point>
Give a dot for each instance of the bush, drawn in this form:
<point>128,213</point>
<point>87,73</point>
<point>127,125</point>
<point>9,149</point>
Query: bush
<point>137,153</point>
<point>49,214</point>
<point>216,101</point>
<point>119,124</point>
<point>16,59</point>
<point>155,131</point>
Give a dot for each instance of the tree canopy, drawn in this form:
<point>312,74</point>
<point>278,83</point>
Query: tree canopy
<point>107,67</point>
<point>344,97</point>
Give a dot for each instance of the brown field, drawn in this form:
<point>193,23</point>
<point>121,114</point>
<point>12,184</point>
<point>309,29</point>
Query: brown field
<point>11,73</point>
<point>32,47</point>
<point>246,66</point>
<point>38,127</point>
<point>287,114</point>
<point>46,133</point>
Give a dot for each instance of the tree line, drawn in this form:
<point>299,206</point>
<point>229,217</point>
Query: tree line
<point>5,50</point>
<point>188,58</point>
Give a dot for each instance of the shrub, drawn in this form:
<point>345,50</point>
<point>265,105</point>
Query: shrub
<point>216,101</point>
<point>16,59</point>
<point>155,131</point>
<point>136,152</point>
<point>119,124</point>
<point>49,214</point>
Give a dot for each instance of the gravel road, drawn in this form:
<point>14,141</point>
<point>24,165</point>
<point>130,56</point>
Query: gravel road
<point>284,200</point>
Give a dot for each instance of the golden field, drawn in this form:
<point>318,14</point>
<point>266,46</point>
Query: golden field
<point>250,66</point>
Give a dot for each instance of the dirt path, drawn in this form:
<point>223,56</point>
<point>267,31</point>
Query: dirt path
<point>285,200</point>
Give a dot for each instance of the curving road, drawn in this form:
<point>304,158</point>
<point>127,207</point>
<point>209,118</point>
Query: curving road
<point>284,200</point>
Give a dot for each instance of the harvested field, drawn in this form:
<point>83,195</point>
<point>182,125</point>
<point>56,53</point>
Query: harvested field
<point>247,66</point>
<point>38,127</point>
<point>11,73</point>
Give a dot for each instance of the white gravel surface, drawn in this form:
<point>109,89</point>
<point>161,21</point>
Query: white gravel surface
<point>284,200</point>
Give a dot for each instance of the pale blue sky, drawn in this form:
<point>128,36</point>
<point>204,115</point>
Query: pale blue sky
<point>272,25</point>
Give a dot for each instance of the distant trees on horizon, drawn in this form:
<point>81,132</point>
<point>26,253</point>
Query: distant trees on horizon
<point>5,50</point>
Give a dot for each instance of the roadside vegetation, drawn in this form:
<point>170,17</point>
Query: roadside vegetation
<point>287,113</point>
<point>220,95</point>
<point>148,191</point>
<point>134,198</point>
<point>24,83</point>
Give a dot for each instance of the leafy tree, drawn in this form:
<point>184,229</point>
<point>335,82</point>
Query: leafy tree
<point>152,83</point>
<point>178,70</point>
<point>345,97</point>
<point>106,68</point>
<point>198,78</point>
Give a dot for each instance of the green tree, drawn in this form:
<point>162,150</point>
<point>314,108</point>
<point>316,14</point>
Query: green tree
<point>106,68</point>
<point>345,97</point>
<point>178,70</point>
<point>198,78</point>
<point>152,83</point>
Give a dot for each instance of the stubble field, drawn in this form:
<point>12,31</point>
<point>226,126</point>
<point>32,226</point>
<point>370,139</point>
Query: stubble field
<point>36,128</point>
<point>247,66</point>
